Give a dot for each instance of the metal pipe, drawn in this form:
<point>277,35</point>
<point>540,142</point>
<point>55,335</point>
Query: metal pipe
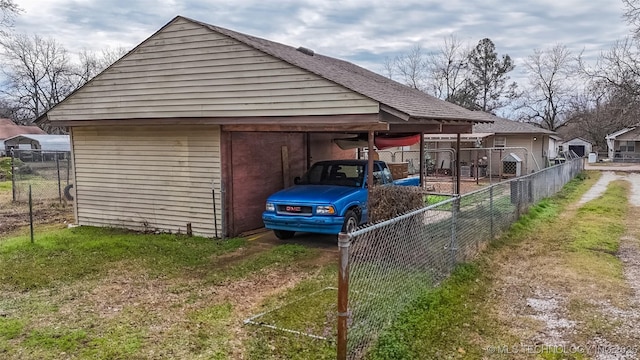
<point>491,212</point>
<point>422,167</point>
<point>458,164</point>
<point>30,214</point>
<point>344,242</point>
<point>453,246</point>
<point>370,155</point>
<point>224,211</point>
<point>59,185</point>
<point>13,176</point>
<point>215,212</point>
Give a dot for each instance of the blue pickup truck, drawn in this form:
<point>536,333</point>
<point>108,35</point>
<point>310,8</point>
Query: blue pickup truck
<point>331,197</point>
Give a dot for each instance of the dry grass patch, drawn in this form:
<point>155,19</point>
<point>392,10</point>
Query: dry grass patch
<point>106,294</point>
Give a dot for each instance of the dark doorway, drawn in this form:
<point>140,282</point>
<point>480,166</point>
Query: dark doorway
<point>578,149</point>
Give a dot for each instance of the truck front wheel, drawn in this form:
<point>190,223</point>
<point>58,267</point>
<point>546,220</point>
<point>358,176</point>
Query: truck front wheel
<point>284,234</point>
<point>350,222</point>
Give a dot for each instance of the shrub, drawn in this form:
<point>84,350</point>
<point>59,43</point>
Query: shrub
<point>5,168</point>
<point>390,201</point>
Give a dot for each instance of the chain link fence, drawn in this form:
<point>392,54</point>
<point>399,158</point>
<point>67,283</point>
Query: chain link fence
<point>48,173</point>
<point>385,266</point>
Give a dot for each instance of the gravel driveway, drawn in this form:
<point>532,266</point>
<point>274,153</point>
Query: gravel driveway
<point>629,251</point>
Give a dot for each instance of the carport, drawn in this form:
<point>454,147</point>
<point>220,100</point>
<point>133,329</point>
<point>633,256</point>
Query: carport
<point>281,152</point>
<point>197,125</point>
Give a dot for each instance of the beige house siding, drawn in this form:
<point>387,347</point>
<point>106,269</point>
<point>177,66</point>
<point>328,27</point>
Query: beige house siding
<point>534,160</point>
<point>147,178</point>
<point>633,135</point>
<point>188,70</point>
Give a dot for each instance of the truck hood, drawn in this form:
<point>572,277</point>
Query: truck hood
<point>320,194</point>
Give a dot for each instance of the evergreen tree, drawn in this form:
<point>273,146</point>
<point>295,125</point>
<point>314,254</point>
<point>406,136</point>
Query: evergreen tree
<point>488,78</point>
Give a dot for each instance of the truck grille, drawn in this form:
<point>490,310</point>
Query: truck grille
<point>294,209</point>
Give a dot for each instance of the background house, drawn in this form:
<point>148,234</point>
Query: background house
<point>578,145</point>
<point>46,146</point>
<point>622,145</point>
<point>9,129</point>
<point>491,144</point>
<point>199,124</point>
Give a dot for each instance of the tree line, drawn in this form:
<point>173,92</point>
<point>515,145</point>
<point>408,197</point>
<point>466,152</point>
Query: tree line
<point>561,92</point>
<point>39,72</point>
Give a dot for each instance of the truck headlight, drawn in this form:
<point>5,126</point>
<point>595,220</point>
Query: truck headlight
<point>270,207</point>
<point>325,210</point>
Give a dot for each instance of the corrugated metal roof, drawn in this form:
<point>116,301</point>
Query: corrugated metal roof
<point>46,142</point>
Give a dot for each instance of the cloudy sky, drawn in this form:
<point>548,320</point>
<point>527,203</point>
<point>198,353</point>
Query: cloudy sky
<point>361,31</point>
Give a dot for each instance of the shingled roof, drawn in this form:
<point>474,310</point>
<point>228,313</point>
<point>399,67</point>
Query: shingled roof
<point>506,126</point>
<point>9,129</point>
<point>412,103</point>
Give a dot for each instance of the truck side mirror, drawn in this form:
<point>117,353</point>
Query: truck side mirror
<point>297,180</point>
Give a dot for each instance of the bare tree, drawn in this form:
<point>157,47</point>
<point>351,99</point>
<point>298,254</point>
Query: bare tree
<point>412,68</point>
<point>632,14</point>
<point>8,12</point>
<point>92,63</point>
<point>38,74</point>
<point>388,67</point>
<point>552,83</point>
<point>447,68</point>
<point>617,67</point>
<point>600,110</point>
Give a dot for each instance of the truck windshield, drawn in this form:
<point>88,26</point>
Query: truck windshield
<point>334,174</point>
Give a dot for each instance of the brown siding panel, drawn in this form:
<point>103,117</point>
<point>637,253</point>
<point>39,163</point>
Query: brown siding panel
<point>257,172</point>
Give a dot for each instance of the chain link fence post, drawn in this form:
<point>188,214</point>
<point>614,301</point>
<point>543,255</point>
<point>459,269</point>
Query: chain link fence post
<point>344,242</point>
<point>13,176</point>
<point>453,246</point>
<point>59,184</point>
<point>491,213</point>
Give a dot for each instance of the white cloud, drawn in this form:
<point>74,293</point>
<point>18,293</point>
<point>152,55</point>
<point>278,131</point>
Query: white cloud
<point>363,31</point>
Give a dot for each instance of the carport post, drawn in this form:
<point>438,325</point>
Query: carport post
<point>458,164</point>
<point>421,160</point>
<point>370,156</point>
<point>344,242</point>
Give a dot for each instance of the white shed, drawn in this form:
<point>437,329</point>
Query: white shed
<point>578,145</point>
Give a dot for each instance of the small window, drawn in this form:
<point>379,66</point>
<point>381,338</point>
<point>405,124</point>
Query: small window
<point>627,146</point>
<point>500,141</point>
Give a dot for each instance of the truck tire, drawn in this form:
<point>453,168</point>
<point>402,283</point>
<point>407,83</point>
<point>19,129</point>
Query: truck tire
<point>284,234</point>
<point>67,192</point>
<point>351,222</point>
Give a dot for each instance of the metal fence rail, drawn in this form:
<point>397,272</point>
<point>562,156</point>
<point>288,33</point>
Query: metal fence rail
<point>48,173</point>
<point>385,266</point>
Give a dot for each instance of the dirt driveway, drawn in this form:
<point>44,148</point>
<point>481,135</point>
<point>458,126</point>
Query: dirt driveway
<point>554,296</point>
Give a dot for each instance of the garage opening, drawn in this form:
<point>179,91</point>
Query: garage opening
<point>578,149</point>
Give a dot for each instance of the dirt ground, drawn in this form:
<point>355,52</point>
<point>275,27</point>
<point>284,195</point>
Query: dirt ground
<point>15,216</point>
<point>544,303</point>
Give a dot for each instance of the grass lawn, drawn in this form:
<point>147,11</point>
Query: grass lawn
<point>5,192</point>
<point>94,293</point>
<point>5,186</point>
